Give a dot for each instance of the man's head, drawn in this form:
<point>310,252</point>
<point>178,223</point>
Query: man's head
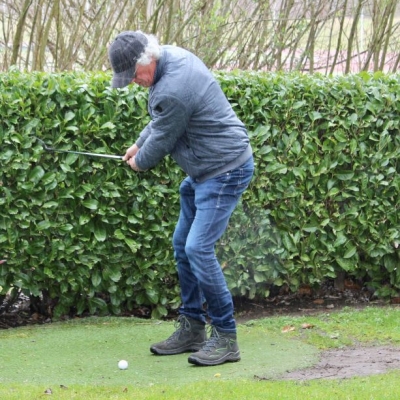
<point>127,51</point>
<point>124,52</point>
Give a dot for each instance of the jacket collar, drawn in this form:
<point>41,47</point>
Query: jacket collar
<point>159,72</point>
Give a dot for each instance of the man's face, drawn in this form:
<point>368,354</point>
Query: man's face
<point>145,74</point>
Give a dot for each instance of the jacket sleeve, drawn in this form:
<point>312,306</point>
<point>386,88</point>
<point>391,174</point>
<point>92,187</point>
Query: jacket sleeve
<point>143,135</point>
<point>169,121</point>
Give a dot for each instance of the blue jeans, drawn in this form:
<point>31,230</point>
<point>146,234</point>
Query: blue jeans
<point>205,211</point>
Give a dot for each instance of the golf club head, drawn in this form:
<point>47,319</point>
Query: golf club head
<point>44,145</point>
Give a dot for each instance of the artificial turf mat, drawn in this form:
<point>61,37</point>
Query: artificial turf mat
<point>87,352</point>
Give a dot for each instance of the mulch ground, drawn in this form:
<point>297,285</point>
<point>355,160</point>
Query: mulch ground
<point>281,301</point>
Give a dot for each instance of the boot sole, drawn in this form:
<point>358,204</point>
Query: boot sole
<point>186,349</point>
<point>230,357</point>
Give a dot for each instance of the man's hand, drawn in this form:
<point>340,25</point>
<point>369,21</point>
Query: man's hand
<point>131,152</point>
<point>129,157</point>
<point>132,163</point>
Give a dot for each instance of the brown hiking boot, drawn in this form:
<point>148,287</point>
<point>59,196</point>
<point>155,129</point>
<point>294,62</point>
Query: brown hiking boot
<point>220,348</point>
<point>190,335</point>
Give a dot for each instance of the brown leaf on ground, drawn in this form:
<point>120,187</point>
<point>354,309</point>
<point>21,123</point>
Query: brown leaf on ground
<point>351,285</point>
<point>288,328</point>
<point>305,290</point>
<point>307,326</point>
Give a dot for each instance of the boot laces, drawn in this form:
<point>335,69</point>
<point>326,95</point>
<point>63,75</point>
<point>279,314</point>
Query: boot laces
<point>213,341</point>
<point>182,324</point>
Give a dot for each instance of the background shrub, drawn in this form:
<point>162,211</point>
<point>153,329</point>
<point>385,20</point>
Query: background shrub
<point>84,234</point>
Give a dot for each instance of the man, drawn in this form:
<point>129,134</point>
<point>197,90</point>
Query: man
<point>193,121</point>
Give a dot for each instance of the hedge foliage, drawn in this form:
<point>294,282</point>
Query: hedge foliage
<point>91,235</point>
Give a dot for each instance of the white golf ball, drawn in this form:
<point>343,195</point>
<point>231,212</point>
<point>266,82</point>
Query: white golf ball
<point>122,364</point>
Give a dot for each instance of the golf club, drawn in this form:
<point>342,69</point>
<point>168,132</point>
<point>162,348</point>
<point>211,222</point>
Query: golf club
<point>51,149</point>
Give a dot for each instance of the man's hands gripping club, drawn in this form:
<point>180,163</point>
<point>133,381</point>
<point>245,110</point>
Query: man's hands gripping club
<point>129,157</point>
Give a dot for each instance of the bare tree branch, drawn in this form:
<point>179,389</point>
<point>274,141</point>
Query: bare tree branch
<point>304,35</point>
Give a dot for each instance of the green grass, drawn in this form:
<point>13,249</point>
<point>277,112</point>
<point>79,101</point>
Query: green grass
<point>379,387</point>
<point>372,325</point>
<point>78,360</point>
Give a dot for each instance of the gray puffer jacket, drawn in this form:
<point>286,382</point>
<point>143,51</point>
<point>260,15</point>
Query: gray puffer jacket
<point>191,119</point>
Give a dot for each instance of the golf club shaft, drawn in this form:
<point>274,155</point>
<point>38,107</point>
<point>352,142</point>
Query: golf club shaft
<point>48,148</point>
<point>86,154</point>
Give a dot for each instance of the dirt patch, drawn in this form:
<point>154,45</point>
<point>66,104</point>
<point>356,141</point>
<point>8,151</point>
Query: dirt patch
<point>350,362</point>
<point>333,364</point>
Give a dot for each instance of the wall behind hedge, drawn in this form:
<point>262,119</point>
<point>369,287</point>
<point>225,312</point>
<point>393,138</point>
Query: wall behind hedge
<point>90,234</point>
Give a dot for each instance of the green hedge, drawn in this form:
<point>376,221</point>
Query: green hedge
<point>91,235</point>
